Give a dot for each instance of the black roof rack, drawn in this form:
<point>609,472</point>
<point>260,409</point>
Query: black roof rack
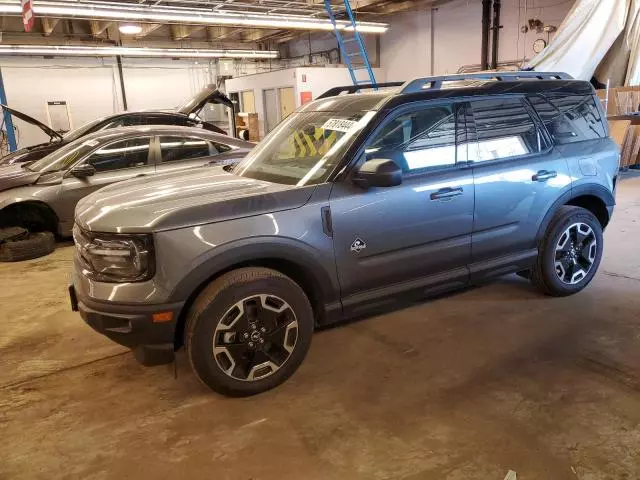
<point>335,91</point>
<point>435,83</point>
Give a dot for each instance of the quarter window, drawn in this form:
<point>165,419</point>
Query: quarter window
<point>419,140</point>
<point>184,148</point>
<point>569,118</point>
<point>504,129</point>
<point>123,154</point>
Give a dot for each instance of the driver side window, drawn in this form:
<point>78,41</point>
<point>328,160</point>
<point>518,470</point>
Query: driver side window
<point>122,154</point>
<point>419,140</point>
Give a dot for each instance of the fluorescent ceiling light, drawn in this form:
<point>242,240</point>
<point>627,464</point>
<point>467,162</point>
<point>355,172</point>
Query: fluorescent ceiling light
<point>91,51</point>
<point>188,16</point>
<point>130,28</point>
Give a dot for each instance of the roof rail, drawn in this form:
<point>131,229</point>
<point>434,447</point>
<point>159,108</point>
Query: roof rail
<point>348,89</point>
<point>435,83</point>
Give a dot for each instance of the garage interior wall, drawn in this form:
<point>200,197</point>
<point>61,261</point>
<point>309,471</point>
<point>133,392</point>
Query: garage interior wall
<point>406,47</point>
<point>91,87</point>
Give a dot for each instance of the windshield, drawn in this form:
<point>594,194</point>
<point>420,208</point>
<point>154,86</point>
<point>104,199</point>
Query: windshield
<point>82,131</point>
<point>304,148</point>
<point>63,158</point>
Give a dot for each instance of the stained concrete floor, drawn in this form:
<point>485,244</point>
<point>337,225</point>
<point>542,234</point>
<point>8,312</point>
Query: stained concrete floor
<point>467,386</point>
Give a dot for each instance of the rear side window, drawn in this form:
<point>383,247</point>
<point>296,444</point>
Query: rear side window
<point>184,148</point>
<point>569,118</point>
<point>504,129</point>
<point>419,140</point>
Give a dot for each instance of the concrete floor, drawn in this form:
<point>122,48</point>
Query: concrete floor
<point>467,386</point>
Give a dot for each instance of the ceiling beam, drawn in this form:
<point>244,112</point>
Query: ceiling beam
<point>148,28</point>
<point>98,28</point>
<point>219,33</point>
<point>49,25</point>
<point>256,35</point>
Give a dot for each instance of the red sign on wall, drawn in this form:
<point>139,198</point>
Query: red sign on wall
<point>305,97</point>
<point>28,18</point>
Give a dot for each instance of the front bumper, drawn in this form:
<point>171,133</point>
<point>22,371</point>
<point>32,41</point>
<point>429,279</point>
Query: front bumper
<point>147,329</point>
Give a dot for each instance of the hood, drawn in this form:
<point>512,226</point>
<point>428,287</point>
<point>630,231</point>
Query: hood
<point>182,199</point>
<point>209,94</point>
<point>12,176</point>
<point>26,118</point>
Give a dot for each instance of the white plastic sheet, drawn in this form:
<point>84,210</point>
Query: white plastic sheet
<point>633,40</point>
<point>584,38</point>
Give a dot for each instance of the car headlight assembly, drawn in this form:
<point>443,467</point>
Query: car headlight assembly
<point>115,258</point>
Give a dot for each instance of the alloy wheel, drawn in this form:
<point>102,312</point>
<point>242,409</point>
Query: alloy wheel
<point>575,253</point>
<point>255,337</point>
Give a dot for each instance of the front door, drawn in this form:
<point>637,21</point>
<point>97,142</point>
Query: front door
<point>415,236</point>
<point>518,176</point>
<point>114,162</point>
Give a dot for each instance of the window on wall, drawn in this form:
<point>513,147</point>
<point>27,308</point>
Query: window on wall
<point>184,148</point>
<point>123,154</point>
<point>504,129</point>
<point>569,118</point>
<point>419,140</point>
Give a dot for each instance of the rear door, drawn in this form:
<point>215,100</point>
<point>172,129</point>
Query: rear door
<point>414,236</point>
<point>114,162</point>
<point>179,152</point>
<point>518,175</point>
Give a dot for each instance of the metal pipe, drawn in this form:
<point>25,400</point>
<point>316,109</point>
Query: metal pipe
<point>495,34</point>
<point>484,48</point>
<point>432,53</point>
<point>124,93</point>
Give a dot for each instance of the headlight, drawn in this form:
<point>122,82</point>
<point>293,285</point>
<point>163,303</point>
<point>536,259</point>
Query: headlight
<point>115,258</point>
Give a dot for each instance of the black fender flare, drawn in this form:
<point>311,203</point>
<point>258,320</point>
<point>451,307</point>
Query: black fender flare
<point>257,249</point>
<point>594,190</point>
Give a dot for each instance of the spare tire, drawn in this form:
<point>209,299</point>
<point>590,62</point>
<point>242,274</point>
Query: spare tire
<point>12,233</point>
<point>32,245</point>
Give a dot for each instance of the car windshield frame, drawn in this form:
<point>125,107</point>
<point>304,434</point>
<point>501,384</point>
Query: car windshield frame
<point>265,160</point>
<point>65,157</point>
<point>83,130</point>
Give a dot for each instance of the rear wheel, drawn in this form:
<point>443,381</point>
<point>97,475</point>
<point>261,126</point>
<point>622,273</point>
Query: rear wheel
<point>570,252</point>
<point>248,331</point>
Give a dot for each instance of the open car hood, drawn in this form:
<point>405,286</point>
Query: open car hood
<point>26,118</point>
<point>209,94</point>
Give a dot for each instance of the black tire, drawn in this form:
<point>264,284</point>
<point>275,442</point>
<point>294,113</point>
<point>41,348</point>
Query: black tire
<point>544,275</point>
<point>213,306</point>
<point>12,233</point>
<point>33,245</point>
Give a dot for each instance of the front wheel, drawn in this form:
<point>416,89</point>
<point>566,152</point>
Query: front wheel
<point>248,331</point>
<point>570,252</point>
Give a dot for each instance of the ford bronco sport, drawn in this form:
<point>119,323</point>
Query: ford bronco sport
<point>354,202</point>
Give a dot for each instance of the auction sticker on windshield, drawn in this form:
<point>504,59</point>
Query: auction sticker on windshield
<point>339,124</point>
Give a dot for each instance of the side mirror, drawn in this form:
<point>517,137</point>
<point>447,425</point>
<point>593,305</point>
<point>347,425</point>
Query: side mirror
<point>83,171</point>
<point>379,172</point>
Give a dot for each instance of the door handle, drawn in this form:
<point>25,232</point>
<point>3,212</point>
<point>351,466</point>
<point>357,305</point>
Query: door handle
<point>446,193</point>
<point>544,175</point>
<point>141,175</point>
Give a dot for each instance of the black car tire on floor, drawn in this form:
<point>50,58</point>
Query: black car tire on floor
<point>227,318</point>
<point>12,233</point>
<point>27,246</point>
<point>545,274</point>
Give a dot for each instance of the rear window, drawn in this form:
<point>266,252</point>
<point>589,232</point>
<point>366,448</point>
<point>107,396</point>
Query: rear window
<point>570,118</point>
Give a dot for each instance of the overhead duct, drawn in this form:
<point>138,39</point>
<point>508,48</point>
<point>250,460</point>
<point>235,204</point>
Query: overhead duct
<point>181,15</point>
<point>98,51</point>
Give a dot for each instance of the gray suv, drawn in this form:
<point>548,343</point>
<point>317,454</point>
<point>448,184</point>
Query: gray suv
<point>353,203</point>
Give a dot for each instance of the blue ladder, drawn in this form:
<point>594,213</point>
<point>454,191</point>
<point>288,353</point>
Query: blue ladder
<point>349,56</point>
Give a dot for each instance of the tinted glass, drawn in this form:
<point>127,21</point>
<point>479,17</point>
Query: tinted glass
<point>183,148</point>
<point>569,118</point>
<point>418,140</point>
<point>123,154</point>
<point>221,147</point>
<point>64,157</point>
<point>504,129</point>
